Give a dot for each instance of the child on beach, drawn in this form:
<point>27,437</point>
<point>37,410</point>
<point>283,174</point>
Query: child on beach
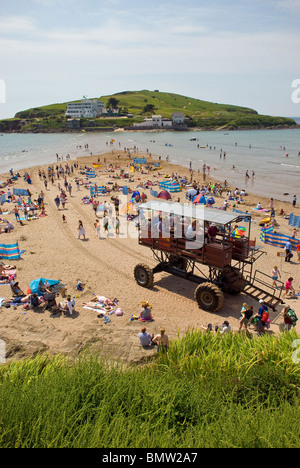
<point>275,274</point>
<point>289,287</point>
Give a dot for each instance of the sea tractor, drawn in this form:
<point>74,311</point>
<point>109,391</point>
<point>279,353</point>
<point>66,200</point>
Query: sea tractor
<point>207,246</point>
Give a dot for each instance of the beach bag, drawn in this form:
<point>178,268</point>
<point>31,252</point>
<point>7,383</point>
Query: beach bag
<point>293,317</point>
<point>265,317</point>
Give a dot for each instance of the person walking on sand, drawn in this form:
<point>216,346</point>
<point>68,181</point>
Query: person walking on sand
<point>289,287</point>
<point>105,223</point>
<point>98,228</point>
<point>81,230</point>
<point>275,274</point>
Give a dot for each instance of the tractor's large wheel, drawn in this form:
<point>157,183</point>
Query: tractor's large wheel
<point>233,281</point>
<point>143,275</point>
<point>209,297</point>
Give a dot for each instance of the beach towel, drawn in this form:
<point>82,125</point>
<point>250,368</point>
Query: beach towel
<point>20,192</point>
<point>139,160</point>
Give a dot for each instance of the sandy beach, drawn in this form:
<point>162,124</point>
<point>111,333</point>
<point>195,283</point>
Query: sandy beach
<point>105,266</point>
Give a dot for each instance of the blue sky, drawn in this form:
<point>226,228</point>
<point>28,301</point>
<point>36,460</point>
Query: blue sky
<point>243,52</point>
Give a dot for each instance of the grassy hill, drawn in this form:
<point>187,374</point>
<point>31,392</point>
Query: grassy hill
<point>209,391</point>
<point>200,114</point>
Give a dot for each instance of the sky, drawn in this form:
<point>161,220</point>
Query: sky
<point>240,52</point>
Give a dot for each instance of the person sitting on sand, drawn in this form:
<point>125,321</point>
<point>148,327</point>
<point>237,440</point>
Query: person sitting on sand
<point>162,340</point>
<point>7,267</point>
<point>145,315</point>
<point>68,305</point>
<point>14,285</point>
<point>145,338</point>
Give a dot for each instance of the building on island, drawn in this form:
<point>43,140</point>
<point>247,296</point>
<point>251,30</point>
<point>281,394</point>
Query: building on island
<point>157,121</point>
<point>89,108</point>
<point>86,108</point>
<point>178,118</point>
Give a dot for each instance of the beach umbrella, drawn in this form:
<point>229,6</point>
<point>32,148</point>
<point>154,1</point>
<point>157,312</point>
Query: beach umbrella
<point>35,284</point>
<point>199,199</point>
<point>136,193</point>
<point>128,208</point>
<point>239,232</point>
<point>164,195</point>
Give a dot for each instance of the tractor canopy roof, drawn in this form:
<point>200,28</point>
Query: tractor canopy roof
<point>211,215</point>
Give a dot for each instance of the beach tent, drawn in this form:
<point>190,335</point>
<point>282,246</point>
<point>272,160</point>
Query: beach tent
<point>164,195</point>
<point>10,251</point>
<point>210,201</point>
<point>34,284</point>
<point>199,199</point>
<point>136,193</point>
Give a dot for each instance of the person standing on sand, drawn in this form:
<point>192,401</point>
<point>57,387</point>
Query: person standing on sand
<point>98,228</point>
<point>81,230</point>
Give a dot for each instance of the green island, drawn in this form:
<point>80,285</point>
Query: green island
<point>135,106</point>
<point>209,391</point>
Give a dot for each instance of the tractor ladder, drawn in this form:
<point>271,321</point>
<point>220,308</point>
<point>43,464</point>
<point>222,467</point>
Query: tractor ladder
<point>259,288</point>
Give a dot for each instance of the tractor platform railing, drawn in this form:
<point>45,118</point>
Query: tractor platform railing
<point>260,287</point>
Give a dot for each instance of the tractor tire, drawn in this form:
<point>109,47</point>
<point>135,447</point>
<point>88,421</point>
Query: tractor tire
<point>209,297</point>
<point>143,275</point>
<point>233,281</point>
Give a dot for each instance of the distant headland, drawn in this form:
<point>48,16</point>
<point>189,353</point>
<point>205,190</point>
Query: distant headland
<point>140,110</point>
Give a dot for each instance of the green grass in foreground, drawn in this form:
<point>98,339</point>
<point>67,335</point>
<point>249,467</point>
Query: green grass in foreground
<point>208,391</point>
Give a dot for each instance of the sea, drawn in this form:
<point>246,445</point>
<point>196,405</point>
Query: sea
<point>273,155</point>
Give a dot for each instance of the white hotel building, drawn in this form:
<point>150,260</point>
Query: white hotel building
<point>85,108</point>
